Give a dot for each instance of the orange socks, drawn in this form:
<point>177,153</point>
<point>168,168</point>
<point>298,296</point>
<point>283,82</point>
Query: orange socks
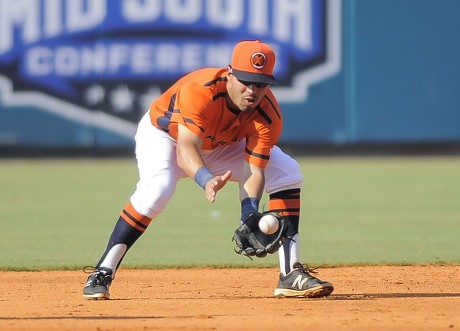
<point>133,218</point>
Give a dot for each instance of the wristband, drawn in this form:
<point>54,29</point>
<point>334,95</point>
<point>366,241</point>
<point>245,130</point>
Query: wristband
<point>202,176</point>
<point>248,207</point>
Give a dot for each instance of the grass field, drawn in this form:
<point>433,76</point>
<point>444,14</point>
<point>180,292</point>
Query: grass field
<point>58,214</point>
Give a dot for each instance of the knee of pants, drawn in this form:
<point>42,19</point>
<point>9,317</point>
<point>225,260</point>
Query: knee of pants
<point>283,174</point>
<point>151,196</point>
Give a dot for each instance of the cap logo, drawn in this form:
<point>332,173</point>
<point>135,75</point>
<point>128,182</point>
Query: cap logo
<point>258,60</point>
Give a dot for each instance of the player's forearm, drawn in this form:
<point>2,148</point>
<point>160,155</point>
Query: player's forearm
<point>251,189</point>
<point>189,159</point>
<point>188,153</point>
<point>252,182</point>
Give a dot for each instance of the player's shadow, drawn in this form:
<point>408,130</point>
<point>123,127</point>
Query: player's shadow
<point>373,296</point>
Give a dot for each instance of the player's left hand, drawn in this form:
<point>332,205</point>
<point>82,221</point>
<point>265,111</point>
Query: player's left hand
<point>215,184</point>
<point>251,241</point>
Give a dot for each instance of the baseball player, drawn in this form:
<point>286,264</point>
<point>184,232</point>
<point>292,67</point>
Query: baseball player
<point>215,125</point>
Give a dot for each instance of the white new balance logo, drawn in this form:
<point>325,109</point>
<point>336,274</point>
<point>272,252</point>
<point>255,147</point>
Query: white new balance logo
<point>298,282</point>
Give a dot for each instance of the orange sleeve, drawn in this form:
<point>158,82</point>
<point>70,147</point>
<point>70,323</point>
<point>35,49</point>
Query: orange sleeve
<point>265,133</point>
<point>191,107</point>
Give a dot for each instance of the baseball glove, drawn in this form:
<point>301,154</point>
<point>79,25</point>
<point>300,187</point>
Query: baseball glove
<point>251,241</point>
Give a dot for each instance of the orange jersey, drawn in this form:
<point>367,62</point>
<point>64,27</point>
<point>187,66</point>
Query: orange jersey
<point>198,101</point>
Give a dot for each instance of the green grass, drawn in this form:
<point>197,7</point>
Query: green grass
<point>58,214</point>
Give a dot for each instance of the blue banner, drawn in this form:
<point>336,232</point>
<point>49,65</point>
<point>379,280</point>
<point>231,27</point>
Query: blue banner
<point>116,56</point>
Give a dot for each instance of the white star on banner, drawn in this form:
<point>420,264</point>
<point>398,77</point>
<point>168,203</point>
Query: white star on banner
<point>94,95</point>
<point>121,99</point>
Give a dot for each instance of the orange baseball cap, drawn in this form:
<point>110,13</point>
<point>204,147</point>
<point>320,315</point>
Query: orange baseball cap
<point>253,61</point>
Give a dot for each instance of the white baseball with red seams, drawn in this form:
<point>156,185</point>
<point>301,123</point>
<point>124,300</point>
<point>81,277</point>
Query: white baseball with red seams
<point>268,224</point>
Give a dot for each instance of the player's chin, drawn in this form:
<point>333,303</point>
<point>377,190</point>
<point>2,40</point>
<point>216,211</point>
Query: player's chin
<point>248,105</point>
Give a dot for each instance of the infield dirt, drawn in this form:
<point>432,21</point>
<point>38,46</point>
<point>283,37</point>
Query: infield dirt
<point>365,298</point>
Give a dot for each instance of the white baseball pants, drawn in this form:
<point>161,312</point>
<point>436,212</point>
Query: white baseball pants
<point>159,172</point>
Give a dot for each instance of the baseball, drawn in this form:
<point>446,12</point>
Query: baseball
<point>268,224</point>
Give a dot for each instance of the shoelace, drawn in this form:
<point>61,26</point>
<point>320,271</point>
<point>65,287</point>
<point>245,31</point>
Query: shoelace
<point>306,269</point>
<point>99,274</point>
<point>87,270</point>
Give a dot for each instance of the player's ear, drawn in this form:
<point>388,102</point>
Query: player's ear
<point>230,76</point>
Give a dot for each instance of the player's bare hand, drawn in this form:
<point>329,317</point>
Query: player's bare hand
<point>215,184</point>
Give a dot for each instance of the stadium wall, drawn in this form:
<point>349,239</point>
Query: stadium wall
<point>377,72</point>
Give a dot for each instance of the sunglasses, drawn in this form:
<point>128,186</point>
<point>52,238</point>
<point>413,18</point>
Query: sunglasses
<point>256,84</point>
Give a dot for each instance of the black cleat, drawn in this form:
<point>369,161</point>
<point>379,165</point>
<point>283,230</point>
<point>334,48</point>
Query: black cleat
<point>97,285</point>
<point>300,284</point>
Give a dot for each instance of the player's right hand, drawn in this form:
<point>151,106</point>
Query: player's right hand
<point>215,184</point>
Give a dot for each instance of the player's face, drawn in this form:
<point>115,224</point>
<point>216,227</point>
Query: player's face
<point>244,95</point>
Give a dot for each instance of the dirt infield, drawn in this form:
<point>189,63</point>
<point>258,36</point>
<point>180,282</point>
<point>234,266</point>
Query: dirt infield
<point>366,298</point>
